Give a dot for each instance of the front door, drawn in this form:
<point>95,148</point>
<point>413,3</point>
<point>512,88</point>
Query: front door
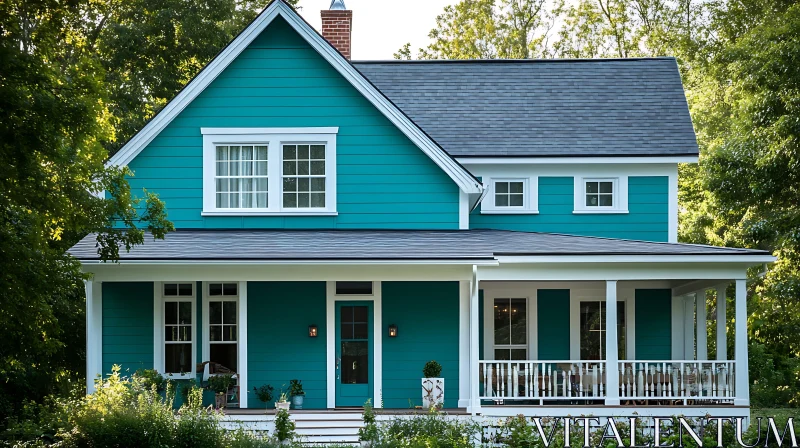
<point>354,353</point>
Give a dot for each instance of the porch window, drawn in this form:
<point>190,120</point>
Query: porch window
<point>269,171</point>
<point>593,330</point>
<point>222,324</point>
<point>303,176</point>
<point>242,179</point>
<point>177,324</point>
<point>510,329</point>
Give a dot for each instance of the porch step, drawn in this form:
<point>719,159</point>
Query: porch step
<point>313,428</point>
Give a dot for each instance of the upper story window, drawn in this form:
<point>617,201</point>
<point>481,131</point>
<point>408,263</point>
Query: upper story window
<point>508,196</point>
<point>601,195</point>
<point>269,171</point>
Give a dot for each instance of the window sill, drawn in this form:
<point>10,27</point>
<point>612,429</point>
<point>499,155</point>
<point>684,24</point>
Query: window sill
<point>281,213</point>
<point>509,212</point>
<point>600,212</point>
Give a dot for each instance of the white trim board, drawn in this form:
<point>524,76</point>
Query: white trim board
<point>618,160</point>
<point>460,175</point>
<point>330,338</point>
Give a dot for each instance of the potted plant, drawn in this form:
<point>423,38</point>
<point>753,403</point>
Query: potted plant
<point>221,384</point>
<point>283,401</point>
<point>296,390</point>
<point>264,393</point>
<point>432,385</point>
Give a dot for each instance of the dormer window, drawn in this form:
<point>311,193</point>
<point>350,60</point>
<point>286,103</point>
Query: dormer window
<point>511,196</point>
<point>601,195</point>
<point>269,171</point>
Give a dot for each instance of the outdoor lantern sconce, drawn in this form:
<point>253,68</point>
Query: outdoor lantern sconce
<point>392,331</point>
<point>312,331</point>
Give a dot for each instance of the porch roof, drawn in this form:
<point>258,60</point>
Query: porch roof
<point>332,245</point>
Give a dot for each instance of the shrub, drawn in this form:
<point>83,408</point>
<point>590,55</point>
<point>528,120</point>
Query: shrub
<point>369,433</point>
<point>149,378</point>
<point>284,426</point>
<point>264,393</point>
<point>432,369</point>
<point>427,430</point>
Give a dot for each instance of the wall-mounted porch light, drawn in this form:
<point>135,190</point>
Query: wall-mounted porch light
<point>392,331</point>
<point>312,331</point>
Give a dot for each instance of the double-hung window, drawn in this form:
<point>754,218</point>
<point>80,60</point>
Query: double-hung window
<point>223,320</point>
<point>178,329</point>
<point>510,196</point>
<point>269,171</point>
<point>510,329</point>
<point>593,330</point>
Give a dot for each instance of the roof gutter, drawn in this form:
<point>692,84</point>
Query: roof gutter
<point>304,262</point>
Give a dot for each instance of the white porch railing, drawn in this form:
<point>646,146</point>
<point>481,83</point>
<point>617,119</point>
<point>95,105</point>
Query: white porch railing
<point>677,380</point>
<point>542,380</point>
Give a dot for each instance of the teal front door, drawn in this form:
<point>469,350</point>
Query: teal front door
<point>354,353</point>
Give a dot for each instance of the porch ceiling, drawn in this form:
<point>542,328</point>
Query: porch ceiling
<point>389,245</point>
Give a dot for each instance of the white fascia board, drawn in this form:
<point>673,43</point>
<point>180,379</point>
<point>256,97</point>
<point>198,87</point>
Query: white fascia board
<point>364,262</point>
<point>741,259</point>
<point>267,131</point>
<point>575,160</point>
<point>459,174</point>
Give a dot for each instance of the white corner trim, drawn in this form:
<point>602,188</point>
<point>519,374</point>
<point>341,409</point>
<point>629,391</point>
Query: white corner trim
<point>244,390</point>
<point>460,175</point>
<point>463,210</point>
<point>463,344</point>
<point>672,207</point>
<point>377,374</point>
<point>267,131</point>
<point>330,343</point>
<point>94,332</point>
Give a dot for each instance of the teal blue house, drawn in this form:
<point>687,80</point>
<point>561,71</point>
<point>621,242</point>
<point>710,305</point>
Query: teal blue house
<point>343,223</point>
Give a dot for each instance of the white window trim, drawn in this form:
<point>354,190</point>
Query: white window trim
<point>620,196</point>
<point>159,363</point>
<point>207,297</point>
<point>530,199</point>
<point>273,138</point>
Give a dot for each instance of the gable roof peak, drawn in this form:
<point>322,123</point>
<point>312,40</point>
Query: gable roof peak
<point>338,5</point>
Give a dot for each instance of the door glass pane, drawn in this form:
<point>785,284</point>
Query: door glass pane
<point>185,313</point>
<point>228,312</point>
<point>178,358</point>
<point>502,321</point>
<point>360,331</point>
<point>215,312</point>
<point>518,317</point>
<point>355,362</point>
<point>171,312</point>
<point>346,330</point>
<point>360,314</point>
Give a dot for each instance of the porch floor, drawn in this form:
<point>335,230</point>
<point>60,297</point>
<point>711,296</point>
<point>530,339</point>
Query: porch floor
<point>399,411</point>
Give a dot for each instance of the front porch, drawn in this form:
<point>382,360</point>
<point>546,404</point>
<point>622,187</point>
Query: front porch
<point>540,335</point>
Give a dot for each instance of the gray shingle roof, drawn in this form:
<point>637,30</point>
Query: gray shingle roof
<point>600,107</point>
<point>385,245</point>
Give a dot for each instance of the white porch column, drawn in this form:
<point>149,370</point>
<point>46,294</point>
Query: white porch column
<point>474,341</point>
<point>612,351</point>
<point>463,344</point>
<point>244,390</point>
<point>722,336</point>
<point>742,368</point>
<point>677,327</point>
<point>688,327</point>
<point>702,330</point>
<point>94,332</point>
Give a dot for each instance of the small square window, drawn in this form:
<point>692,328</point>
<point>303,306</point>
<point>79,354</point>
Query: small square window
<point>509,193</point>
<point>223,289</point>
<point>600,193</point>
<point>177,290</point>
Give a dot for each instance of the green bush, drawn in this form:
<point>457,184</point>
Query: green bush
<point>369,433</point>
<point>432,369</point>
<point>427,430</point>
<point>284,426</point>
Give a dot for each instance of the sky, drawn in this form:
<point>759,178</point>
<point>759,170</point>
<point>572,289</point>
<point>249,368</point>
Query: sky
<point>381,27</point>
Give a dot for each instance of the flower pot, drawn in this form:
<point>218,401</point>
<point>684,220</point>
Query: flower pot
<point>432,392</point>
<point>297,400</point>
<point>282,405</point>
<point>220,400</point>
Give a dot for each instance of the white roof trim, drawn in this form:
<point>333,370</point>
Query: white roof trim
<point>754,259</point>
<point>574,160</point>
<point>460,175</point>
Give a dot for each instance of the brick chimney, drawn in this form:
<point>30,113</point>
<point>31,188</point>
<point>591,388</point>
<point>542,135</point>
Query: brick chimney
<point>337,26</point>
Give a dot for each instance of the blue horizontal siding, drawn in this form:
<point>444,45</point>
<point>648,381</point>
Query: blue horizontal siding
<point>426,315</point>
<point>278,346</point>
<point>648,217</point>
<point>384,181</point>
<point>127,326</point>
<point>653,324</point>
